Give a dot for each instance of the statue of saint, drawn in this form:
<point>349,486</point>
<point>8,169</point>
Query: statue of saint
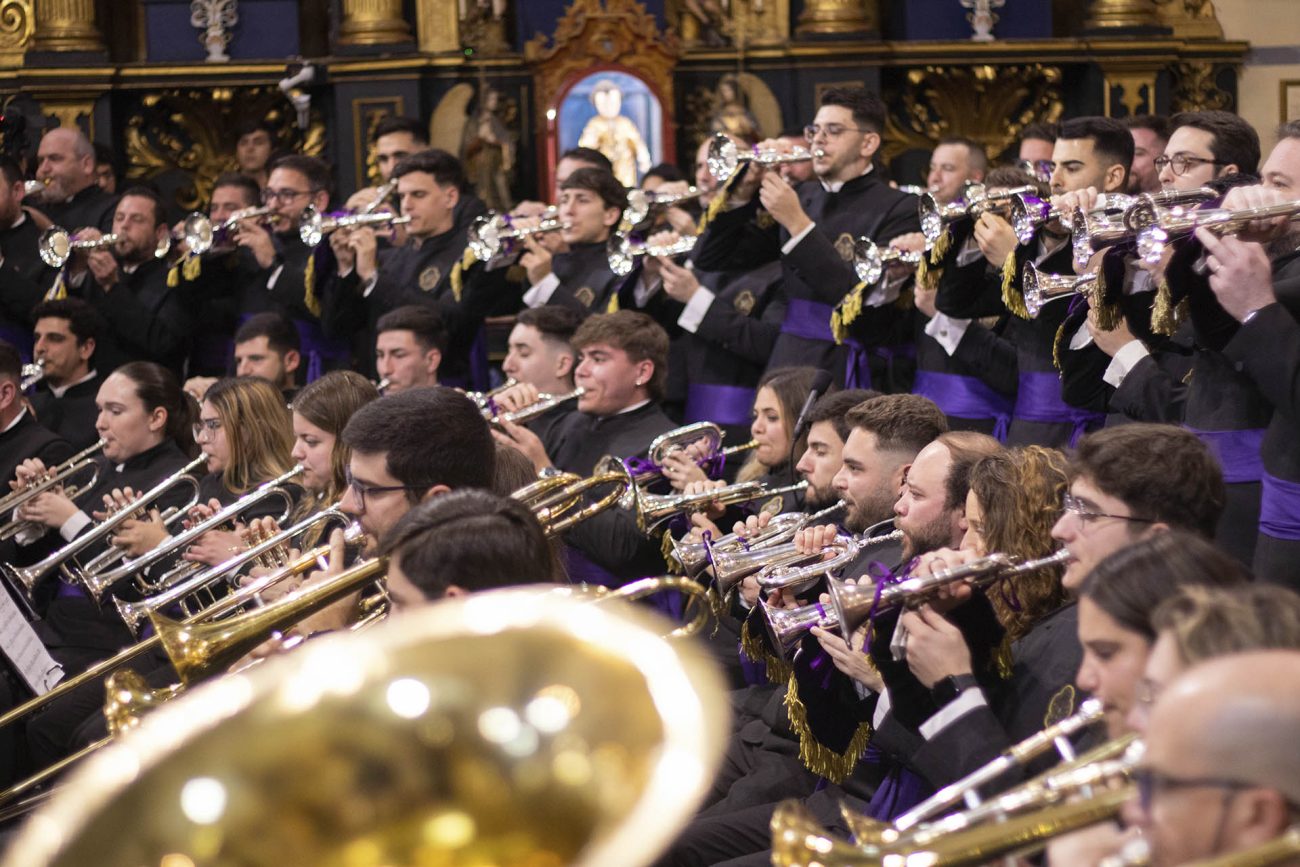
<point>488,152</point>
<point>615,135</point>
<point>731,115</point>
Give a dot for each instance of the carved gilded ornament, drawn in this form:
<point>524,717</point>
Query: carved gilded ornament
<point>991,104</point>
<point>193,131</point>
<point>1190,19</point>
<point>17,24</point>
<point>1196,89</point>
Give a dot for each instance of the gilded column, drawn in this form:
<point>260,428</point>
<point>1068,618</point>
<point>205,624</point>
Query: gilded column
<point>833,17</point>
<point>373,22</point>
<point>439,26</point>
<point>17,21</point>
<point>66,25</point>
<point>1117,15</point>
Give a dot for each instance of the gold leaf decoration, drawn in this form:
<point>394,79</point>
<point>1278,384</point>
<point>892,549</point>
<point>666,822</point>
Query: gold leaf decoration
<point>990,104</point>
<point>1196,88</point>
<point>17,23</point>
<point>194,131</point>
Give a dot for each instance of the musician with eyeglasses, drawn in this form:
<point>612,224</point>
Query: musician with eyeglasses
<point>370,282</point>
<point>1244,273</point>
<point>67,333</point>
<point>22,272</point>
<point>289,278</point>
<point>148,320</point>
<point>811,230</point>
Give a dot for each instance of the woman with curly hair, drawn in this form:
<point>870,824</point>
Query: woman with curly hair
<point>1014,499</point>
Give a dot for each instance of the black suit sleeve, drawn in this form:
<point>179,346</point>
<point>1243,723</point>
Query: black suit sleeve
<point>1153,390</point>
<point>612,541</point>
<point>1288,295</point>
<point>1267,349</point>
<point>991,356</point>
<point>747,337</point>
<point>342,307</point>
<point>733,241</point>
<point>154,324</point>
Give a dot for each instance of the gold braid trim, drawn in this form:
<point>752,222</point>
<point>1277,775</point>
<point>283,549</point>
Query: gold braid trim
<point>59,290</point>
<point>670,554</point>
<point>778,670</point>
<point>456,278</point>
<point>1058,346</point>
<point>817,757</point>
<point>1012,297</point>
<point>846,311</point>
<point>309,299</point>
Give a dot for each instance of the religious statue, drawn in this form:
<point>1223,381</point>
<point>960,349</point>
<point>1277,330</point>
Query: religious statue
<point>483,26</point>
<point>731,115</point>
<point>615,135</point>
<point>488,152</point>
<point>702,22</point>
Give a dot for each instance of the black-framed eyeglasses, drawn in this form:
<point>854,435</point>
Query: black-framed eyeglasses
<point>1181,163</point>
<point>269,195</point>
<point>1149,781</point>
<point>832,130</point>
<point>361,491</point>
<point>1075,506</point>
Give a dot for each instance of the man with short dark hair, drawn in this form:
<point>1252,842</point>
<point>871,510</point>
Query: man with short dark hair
<point>812,231</point>
<point>578,158</point>
<point>72,197</point>
<point>409,346</point>
<point>267,345</point>
<point>540,356</point>
<point>23,274</point>
<point>1206,145</point>
<point>828,429</point>
<point>409,447</point>
<point>955,162</point>
<point>67,333</point>
<point>423,270</point>
<point>392,140</point>
<point>1150,135</point>
<point>127,284</point>
<point>1036,143</point>
<point>1123,488</point>
<point>591,205</point>
<point>21,437</point>
<point>254,147</point>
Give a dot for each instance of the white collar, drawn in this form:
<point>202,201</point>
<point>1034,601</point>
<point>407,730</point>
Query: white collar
<point>62,389</point>
<point>17,419</point>
<point>836,186</point>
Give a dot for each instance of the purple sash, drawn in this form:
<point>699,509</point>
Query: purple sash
<point>723,404</point>
<point>70,591</point>
<point>583,571</point>
<point>1038,399</point>
<point>809,320</point>
<point>1237,451</point>
<point>1279,508</point>
<point>899,791</point>
<point>965,397</point>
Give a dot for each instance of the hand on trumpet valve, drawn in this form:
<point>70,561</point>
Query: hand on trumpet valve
<point>947,596</point>
<point>1265,230</point>
<point>679,282</point>
<point>197,386</point>
<point>810,540</point>
<point>996,238</point>
<point>136,535</point>
<point>850,657</point>
<point>1091,845</point>
<point>680,469</point>
<point>258,531</point>
<point>935,648</point>
<point>537,259</point>
<point>1241,274</point>
<point>50,508</point>
<point>1112,341</point>
<point>521,438</point>
<point>1076,200</point>
<point>515,398</point>
<point>912,242</point>
<point>713,511</point>
<point>356,247</point>
<point>339,615</point>
<point>253,235</point>
<point>216,546</point>
<point>782,202</point>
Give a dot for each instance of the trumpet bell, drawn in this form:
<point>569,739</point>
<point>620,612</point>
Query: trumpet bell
<point>198,233</point>
<point>622,258</point>
<point>786,626</point>
<point>512,729</point>
<point>723,157</point>
<point>55,246</point>
<point>704,435</point>
<point>1040,287</point>
<point>867,262</point>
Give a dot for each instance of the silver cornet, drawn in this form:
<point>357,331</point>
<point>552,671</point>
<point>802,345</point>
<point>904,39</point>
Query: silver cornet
<point>57,246</point>
<point>1029,213</point>
<point>34,191</point>
<point>869,260</point>
<point>1040,287</point>
<point>1103,226</point>
<point>544,404</point>
<point>1147,208</point>
<point>492,233</point>
<point>975,201</point>
<point>724,157</point>
<point>315,225</point>
<point>694,556</point>
<point>197,232</point>
<point>624,251</point>
<point>641,202</point>
<point>32,374</point>
<point>1179,223</point>
<point>382,192</point>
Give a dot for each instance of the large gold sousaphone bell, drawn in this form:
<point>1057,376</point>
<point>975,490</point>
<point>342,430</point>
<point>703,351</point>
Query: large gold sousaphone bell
<point>507,728</point>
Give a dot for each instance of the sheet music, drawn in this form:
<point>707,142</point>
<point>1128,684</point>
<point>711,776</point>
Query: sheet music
<point>24,649</point>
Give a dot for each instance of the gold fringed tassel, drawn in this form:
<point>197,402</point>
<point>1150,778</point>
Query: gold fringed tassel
<point>1108,315</point>
<point>612,306</point>
<point>670,554</point>
<point>1011,297</point>
<point>1164,316</point>
<point>1058,345</point>
<point>939,248</point>
<point>191,267</point>
<point>778,671</point>
<point>1004,660</point>
<point>309,299</point>
<point>457,284</point>
<point>173,276</point>
<point>59,290</point>
<point>846,311</point>
<point>817,757</point>
<point>718,202</point>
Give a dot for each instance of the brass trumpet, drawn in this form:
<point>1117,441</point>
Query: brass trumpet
<point>28,577</point>
<point>623,251</point>
<point>492,233</point>
<point>854,602</point>
<point>1279,850</point>
<point>315,225</point>
<point>651,510</point>
<point>869,260</point>
<point>134,614</point>
<point>1040,287</point>
<point>32,374</point>
<point>641,202</point>
<point>97,583</point>
<point>552,499</point>
<point>51,478</point>
<point>1179,223</point>
<point>975,201</point>
<point>724,157</point>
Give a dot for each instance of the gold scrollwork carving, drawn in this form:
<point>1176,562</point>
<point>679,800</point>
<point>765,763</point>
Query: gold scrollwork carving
<point>990,104</point>
<point>1196,88</point>
<point>17,23</point>
<point>193,131</point>
<point>1190,19</point>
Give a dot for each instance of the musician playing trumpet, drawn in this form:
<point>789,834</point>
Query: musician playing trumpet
<point>22,272</point>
